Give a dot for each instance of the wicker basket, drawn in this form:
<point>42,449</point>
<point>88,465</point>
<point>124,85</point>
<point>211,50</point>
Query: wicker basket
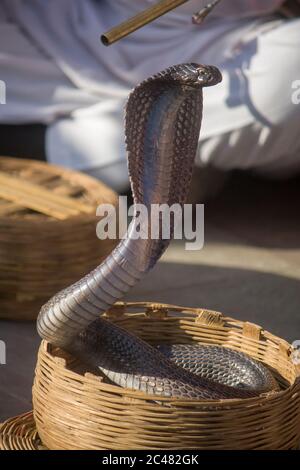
<point>47,232</point>
<point>75,409</point>
<point>20,433</point>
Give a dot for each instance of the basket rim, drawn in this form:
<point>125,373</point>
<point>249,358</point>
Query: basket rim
<point>217,318</point>
<point>120,310</point>
<point>92,185</point>
<point>20,431</point>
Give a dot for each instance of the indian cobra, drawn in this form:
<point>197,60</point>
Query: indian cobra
<point>162,125</point>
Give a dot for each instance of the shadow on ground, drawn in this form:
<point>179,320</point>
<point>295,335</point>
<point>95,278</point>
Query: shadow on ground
<point>260,212</point>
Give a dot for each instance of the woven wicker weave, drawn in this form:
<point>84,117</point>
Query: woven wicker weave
<point>20,433</point>
<point>75,409</point>
<point>47,222</point>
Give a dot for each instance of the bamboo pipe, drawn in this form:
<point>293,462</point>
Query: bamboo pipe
<point>147,16</point>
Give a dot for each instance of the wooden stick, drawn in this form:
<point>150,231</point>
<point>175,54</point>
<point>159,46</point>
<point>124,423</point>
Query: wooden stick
<point>139,20</point>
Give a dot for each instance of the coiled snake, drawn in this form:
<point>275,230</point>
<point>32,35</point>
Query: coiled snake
<point>162,125</point>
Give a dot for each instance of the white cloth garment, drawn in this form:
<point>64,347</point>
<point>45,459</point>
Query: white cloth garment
<point>57,72</point>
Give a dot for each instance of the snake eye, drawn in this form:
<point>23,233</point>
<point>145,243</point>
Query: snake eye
<point>205,75</point>
<point>208,76</point>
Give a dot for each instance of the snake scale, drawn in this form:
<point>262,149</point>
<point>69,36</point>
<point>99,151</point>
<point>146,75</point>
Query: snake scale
<point>162,125</point>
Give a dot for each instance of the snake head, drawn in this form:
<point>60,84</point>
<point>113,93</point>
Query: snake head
<point>194,74</point>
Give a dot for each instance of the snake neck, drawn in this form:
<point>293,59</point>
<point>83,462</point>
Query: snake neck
<point>162,128</point>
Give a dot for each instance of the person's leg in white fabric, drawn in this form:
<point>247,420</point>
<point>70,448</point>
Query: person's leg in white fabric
<point>259,78</point>
<point>249,119</point>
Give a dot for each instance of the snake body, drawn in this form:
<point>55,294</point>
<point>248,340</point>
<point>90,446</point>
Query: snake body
<point>162,125</point>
